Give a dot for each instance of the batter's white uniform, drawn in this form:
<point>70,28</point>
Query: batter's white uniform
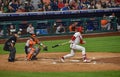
<point>74,45</point>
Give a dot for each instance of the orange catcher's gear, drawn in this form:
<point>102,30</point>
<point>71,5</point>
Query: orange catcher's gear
<point>31,43</point>
<point>32,49</point>
<point>30,54</point>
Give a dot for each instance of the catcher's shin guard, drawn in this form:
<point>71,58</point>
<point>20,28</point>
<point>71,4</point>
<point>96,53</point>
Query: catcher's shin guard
<point>29,56</point>
<point>37,50</point>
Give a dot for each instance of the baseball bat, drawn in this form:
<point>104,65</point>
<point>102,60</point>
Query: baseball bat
<point>60,44</point>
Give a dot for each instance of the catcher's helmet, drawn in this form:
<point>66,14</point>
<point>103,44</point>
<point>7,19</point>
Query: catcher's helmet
<point>33,35</point>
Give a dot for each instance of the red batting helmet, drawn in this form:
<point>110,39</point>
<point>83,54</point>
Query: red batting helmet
<point>79,29</point>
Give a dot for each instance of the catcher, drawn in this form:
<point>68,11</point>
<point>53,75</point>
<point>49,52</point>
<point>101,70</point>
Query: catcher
<point>32,47</point>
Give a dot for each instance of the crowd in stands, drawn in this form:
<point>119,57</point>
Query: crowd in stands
<point>12,6</point>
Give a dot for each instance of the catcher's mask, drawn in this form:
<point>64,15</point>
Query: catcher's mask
<point>33,35</point>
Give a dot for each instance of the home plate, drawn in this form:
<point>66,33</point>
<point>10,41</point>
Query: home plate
<point>74,60</point>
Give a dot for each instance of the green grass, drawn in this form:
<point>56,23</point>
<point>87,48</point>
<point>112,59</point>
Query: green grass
<point>103,44</point>
<point>60,74</point>
<point>98,44</point>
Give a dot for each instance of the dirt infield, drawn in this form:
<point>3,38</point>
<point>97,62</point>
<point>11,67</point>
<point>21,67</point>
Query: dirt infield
<point>50,62</point>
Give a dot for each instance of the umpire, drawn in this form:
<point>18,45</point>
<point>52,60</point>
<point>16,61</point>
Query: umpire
<point>10,46</point>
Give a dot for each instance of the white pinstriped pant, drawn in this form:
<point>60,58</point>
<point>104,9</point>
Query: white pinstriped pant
<point>73,48</point>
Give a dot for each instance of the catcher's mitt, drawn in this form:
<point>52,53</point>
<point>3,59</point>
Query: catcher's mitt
<point>45,48</point>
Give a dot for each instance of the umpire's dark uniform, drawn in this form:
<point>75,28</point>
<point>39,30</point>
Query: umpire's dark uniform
<point>10,46</point>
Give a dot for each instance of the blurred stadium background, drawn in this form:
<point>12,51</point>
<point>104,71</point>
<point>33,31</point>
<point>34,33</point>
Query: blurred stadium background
<point>46,15</point>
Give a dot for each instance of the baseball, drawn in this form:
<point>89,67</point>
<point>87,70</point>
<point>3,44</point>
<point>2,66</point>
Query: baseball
<point>84,42</point>
<point>94,62</point>
<point>54,63</point>
<point>93,58</point>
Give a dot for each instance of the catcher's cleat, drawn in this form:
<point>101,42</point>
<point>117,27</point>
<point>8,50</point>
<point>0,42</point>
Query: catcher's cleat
<point>86,61</point>
<point>62,59</point>
<point>34,58</point>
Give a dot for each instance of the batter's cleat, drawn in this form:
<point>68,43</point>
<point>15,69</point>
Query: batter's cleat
<point>86,61</point>
<point>62,59</point>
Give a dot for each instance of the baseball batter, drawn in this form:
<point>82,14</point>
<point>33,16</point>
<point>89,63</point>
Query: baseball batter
<point>74,45</point>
